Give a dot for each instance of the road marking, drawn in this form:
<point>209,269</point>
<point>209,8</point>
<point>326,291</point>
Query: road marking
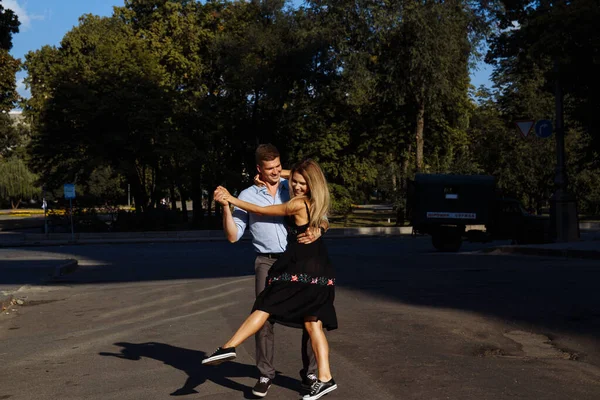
<point>145,316</point>
<point>111,338</point>
<point>174,297</point>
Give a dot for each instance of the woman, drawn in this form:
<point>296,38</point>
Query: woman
<point>301,284</point>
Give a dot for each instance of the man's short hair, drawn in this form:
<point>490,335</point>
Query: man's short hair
<point>266,152</point>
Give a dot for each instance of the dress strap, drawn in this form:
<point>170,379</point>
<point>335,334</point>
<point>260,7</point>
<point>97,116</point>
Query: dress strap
<point>307,211</point>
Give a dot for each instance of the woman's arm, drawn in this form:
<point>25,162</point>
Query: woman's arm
<point>285,174</point>
<point>279,210</point>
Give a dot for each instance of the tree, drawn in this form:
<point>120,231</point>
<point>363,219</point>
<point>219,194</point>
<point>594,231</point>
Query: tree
<point>16,182</point>
<point>9,25</point>
<point>560,39</point>
<point>14,137</point>
<point>98,101</point>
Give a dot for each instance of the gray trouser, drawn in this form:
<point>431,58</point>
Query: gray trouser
<point>265,337</point>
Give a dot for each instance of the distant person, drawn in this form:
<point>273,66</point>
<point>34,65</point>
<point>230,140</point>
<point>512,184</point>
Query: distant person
<point>269,239</point>
<point>301,284</point>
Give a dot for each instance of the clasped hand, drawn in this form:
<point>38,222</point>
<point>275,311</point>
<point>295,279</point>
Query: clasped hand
<point>222,196</point>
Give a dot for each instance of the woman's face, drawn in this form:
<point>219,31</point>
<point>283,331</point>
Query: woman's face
<point>299,185</point>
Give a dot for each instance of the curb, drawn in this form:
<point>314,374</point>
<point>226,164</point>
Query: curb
<point>546,252</point>
<point>67,267</point>
<point>64,269</point>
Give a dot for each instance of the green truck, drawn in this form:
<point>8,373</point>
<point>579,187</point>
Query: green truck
<point>453,208</point>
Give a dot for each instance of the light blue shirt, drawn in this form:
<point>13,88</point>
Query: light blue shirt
<point>268,233</point>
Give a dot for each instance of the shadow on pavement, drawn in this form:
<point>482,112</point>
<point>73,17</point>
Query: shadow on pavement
<point>189,361</point>
<point>23,272</point>
<point>552,293</point>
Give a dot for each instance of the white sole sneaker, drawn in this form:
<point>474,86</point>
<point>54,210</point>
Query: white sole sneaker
<point>259,394</point>
<point>323,393</point>
<point>221,358</point>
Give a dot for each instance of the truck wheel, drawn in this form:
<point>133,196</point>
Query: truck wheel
<point>447,241</point>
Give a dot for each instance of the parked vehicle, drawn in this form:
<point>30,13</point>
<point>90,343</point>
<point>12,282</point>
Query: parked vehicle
<point>452,208</point>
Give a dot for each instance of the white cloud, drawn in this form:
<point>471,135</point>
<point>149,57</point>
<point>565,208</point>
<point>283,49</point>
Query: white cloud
<point>24,17</point>
<point>21,89</point>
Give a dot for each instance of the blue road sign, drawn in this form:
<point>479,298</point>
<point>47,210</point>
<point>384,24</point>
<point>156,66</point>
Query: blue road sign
<point>543,128</point>
<point>69,191</point>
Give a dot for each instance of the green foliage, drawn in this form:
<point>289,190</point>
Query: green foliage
<point>105,185</point>
<point>14,137</point>
<point>9,25</point>
<point>341,200</point>
<point>16,182</point>
<point>552,34</point>
<point>172,97</point>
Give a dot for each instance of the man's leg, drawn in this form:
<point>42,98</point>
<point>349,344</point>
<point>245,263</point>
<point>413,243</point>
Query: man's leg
<point>265,338</point>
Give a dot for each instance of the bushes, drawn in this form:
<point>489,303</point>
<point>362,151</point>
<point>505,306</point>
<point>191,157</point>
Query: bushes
<point>341,202</point>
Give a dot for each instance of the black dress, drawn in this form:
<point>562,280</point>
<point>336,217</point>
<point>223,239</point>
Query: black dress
<point>301,283</point>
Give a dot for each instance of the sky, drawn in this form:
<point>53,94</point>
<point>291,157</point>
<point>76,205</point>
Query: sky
<point>45,22</point>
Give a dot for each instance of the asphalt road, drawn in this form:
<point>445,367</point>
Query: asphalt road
<point>135,321</point>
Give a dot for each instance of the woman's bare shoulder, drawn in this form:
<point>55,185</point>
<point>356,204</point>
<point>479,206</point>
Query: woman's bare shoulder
<point>296,204</point>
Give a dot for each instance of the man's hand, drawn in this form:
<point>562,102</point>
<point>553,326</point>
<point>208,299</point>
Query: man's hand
<point>309,236</point>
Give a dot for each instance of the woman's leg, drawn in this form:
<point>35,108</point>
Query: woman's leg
<point>250,326</point>
<point>320,347</point>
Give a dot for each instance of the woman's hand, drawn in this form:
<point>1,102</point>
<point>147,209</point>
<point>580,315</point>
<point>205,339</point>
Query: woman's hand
<point>218,196</point>
<point>258,181</point>
<point>223,194</point>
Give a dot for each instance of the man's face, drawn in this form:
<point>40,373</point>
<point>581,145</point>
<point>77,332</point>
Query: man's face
<point>270,171</point>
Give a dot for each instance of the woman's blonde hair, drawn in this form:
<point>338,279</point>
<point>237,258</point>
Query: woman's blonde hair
<point>319,191</point>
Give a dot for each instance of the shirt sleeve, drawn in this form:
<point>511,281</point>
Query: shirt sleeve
<point>240,217</point>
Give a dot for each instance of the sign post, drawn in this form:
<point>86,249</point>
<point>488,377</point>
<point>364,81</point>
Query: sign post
<point>45,208</point>
<point>69,189</point>
<point>563,210</point>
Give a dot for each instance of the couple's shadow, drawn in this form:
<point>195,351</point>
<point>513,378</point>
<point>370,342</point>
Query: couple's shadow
<point>190,362</point>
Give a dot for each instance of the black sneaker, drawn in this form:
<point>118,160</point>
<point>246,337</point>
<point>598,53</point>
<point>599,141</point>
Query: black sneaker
<point>262,386</point>
<point>220,355</point>
<point>308,381</point>
<point>320,389</point>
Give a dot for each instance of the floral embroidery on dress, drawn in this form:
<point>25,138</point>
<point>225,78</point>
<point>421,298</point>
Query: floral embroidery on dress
<point>303,278</point>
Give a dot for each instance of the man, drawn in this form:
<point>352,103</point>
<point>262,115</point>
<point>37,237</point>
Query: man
<point>269,239</point>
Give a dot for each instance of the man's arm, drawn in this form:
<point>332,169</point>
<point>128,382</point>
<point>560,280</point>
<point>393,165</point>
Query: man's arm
<point>234,226</point>
<point>229,225</point>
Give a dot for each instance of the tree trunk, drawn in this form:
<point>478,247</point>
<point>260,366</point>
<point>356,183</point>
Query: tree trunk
<point>401,210</point>
<point>419,134</point>
<point>210,202</point>
<point>198,211</point>
<point>184,196</point>
<point>405,165</point>
<point>173,198</point>
<point>138,192</point>
<point>13,205</point>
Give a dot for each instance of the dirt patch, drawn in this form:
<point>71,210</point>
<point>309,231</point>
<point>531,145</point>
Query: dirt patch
<point>27,303</point>
<point>536,345</point>
<point>489,351</point>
